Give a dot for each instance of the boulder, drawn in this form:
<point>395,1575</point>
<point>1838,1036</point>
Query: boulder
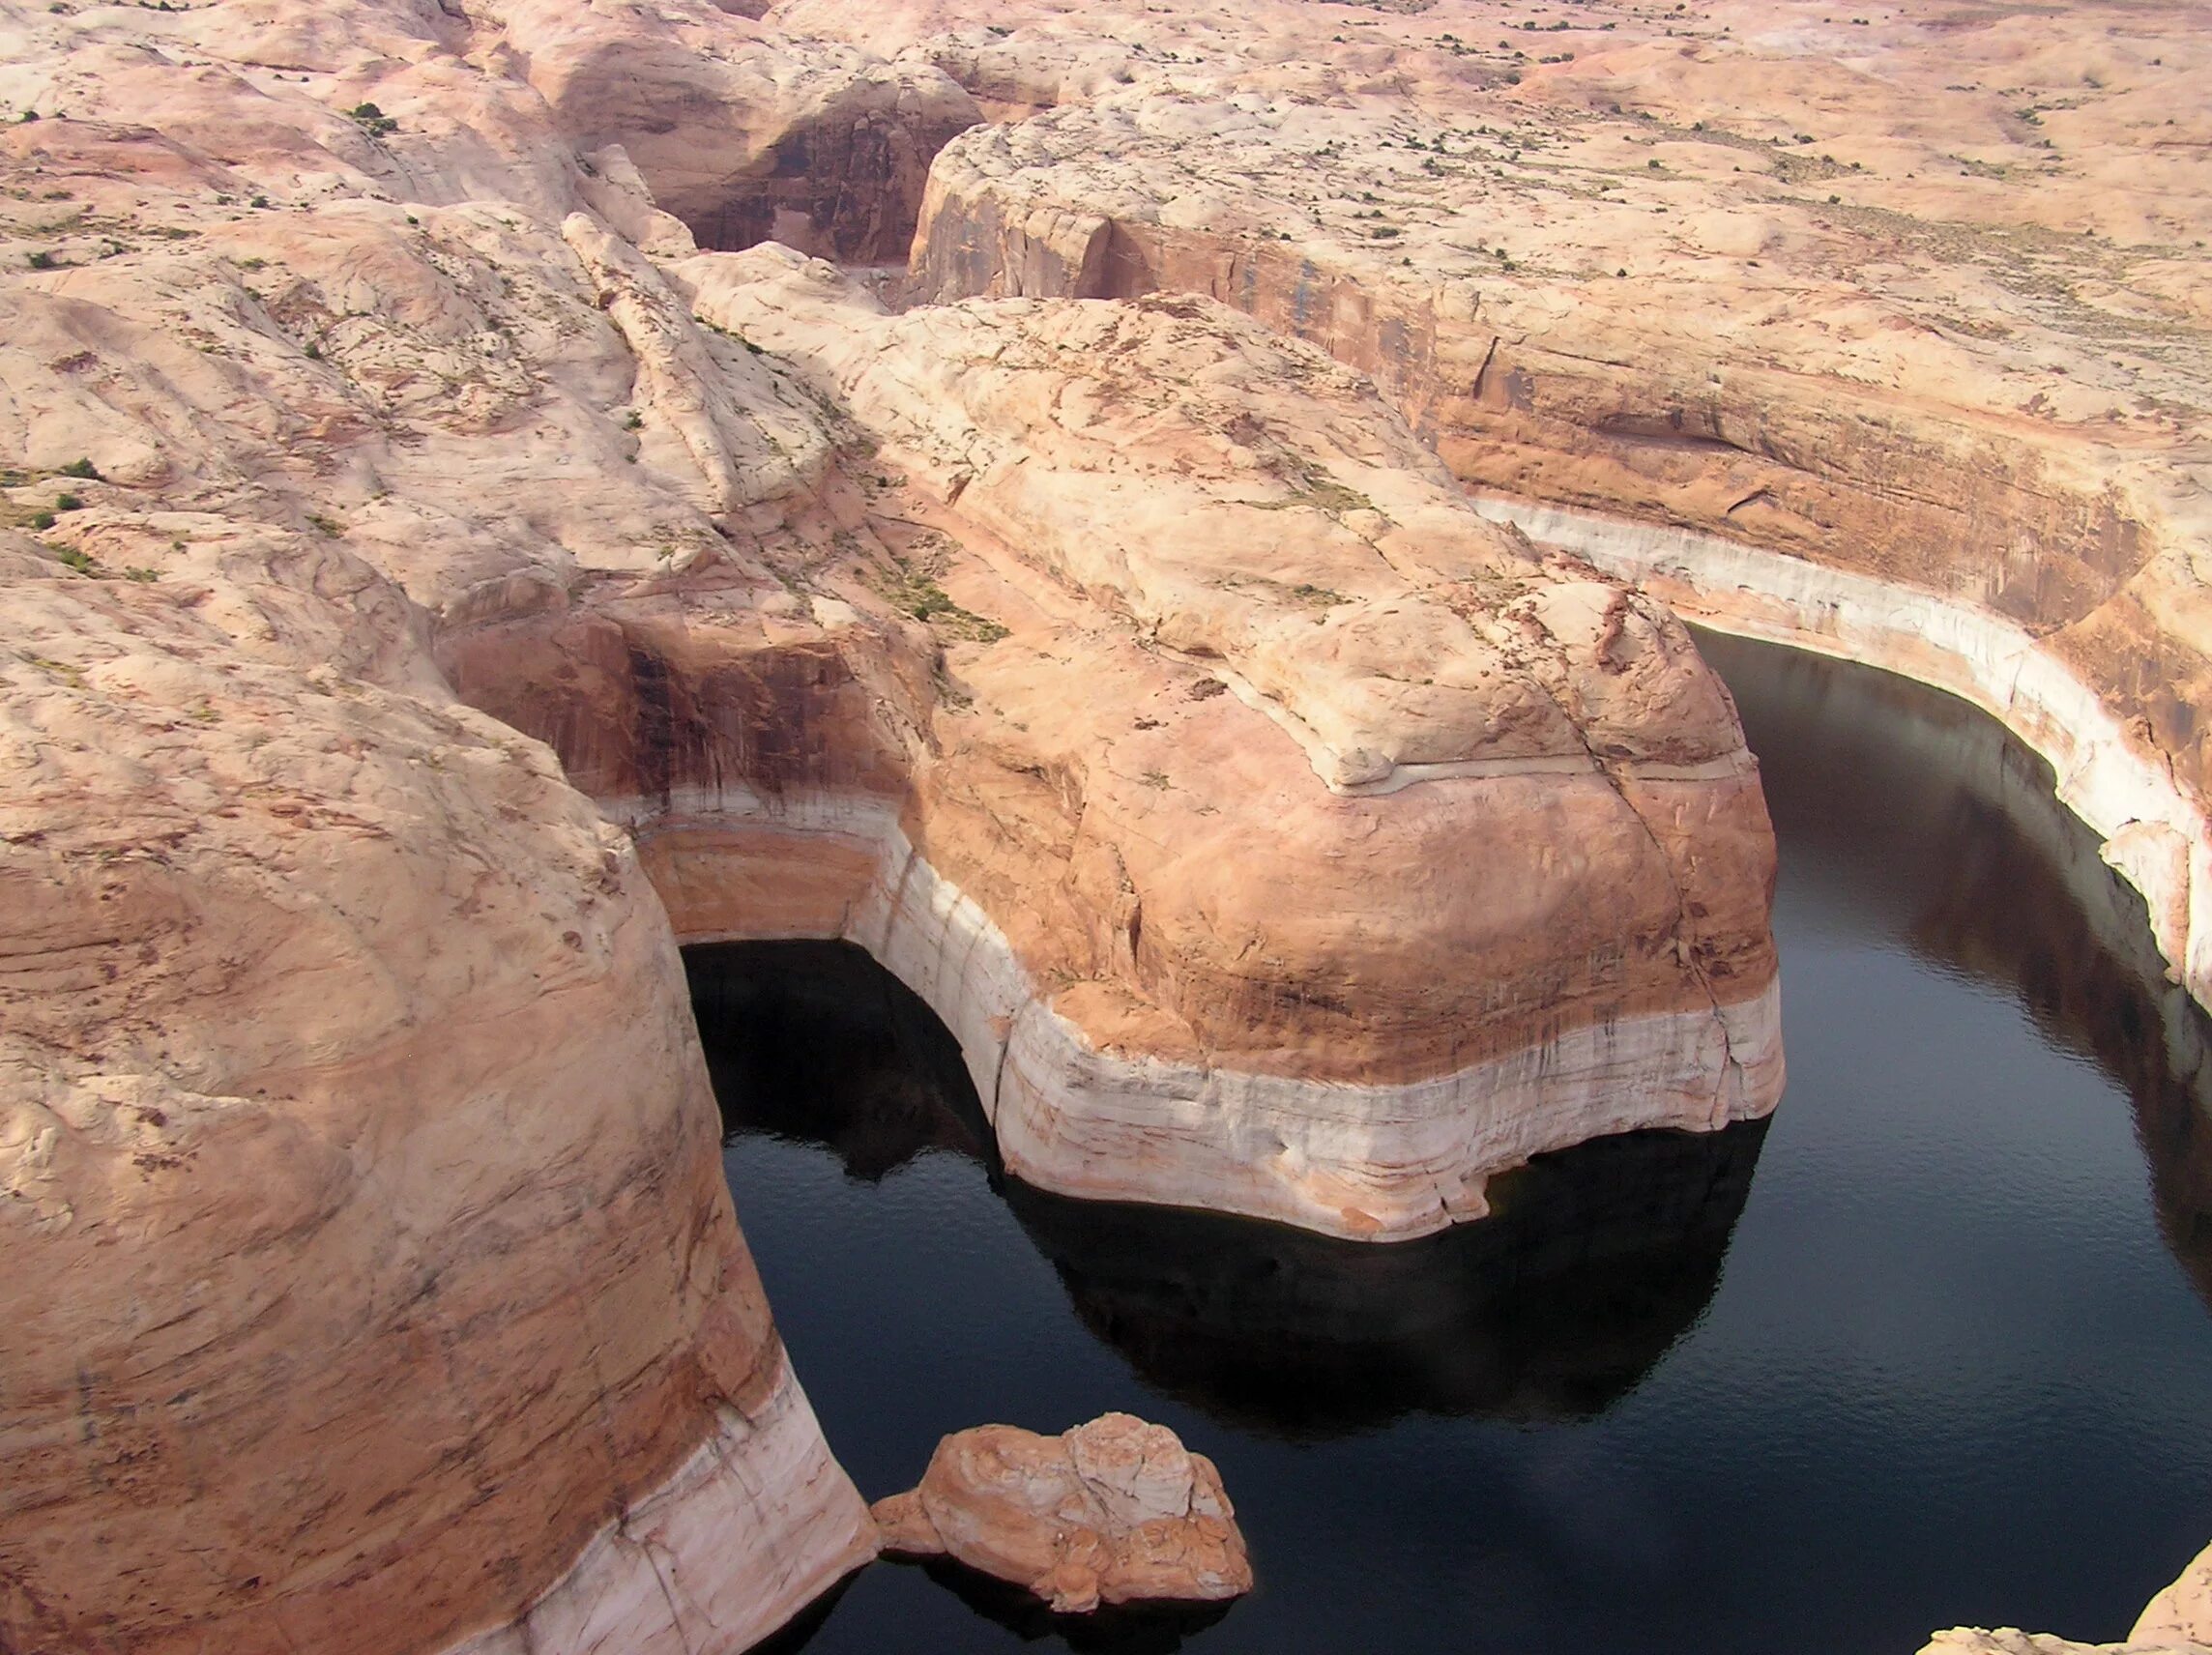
<point>1114,1512</point>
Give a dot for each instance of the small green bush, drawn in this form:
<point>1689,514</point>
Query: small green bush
<point>68,503</point>
<point>84,470</point>
<point>43,521</point>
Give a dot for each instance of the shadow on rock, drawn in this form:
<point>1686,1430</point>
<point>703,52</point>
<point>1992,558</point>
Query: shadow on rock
<point>816,1042</point>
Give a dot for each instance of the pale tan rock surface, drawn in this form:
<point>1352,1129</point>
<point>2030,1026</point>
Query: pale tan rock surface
<point>663,499</point>
<point>368,1247</point>
<point>1214,885</point>
<point>364,1118</point>
<point>743,133</point>
<point>2182,1612</point>
<point>1113,1512</point>
<point>2011,1641</point>
<point>374,1283</point>
<point>2178,1621</point>
<point>1913,299</point>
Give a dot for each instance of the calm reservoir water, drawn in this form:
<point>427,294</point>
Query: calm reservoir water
<point>1930,1348</point>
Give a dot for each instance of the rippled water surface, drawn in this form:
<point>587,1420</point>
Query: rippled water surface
<point>1932,1347</point>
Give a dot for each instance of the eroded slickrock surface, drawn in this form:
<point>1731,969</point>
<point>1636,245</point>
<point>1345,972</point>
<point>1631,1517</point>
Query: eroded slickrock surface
<point>1885,333</point>
<point>369,1257</point>
<point>1278,834</point>
<point>2182,1612</point>
<point>744,134</point>
<point>350,360</point>
<point>1116,1511</point>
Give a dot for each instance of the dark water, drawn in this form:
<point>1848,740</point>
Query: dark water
<point>1932,1347</point>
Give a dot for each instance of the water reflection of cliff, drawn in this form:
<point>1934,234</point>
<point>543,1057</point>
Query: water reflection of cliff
<point>1596,1260</point>
<point>1935,808</point>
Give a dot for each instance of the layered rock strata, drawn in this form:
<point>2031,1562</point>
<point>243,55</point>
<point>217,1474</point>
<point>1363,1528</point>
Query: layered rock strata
<point>372,1269</point>
<point>1817,311</point>
<point>352,1089</point>
<point>1278,836</point>
<point>746,135</point>
<point>1113,1512</point>
<point>373,1281</point>
<point>1187,923</point>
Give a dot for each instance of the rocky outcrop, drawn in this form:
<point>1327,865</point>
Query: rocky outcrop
<point>1641,279</point>
<point>1155,983</point>
<point>371,1262</point>
<point>1279,836</point>
<point>2181,1614</point>
<point>349,1074</point>
<point>2178,1621</point>
<point>1116,1511</point>
<point>373,1284</point>
<point>741,630</point>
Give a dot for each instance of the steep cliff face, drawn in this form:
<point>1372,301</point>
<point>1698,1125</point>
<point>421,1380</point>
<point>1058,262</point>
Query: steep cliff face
<point>373,1285</point>
<point>1278,834</point>
<point>1226,725</point>
<point>370,1261</point>
<point>1875,323</point>
<point>351,1094</point>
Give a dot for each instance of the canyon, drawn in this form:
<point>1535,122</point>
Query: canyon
<point>1943,370</point>
<point>487,497</point>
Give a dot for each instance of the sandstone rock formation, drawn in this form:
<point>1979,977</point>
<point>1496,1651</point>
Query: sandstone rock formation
<point>1202,981</point>
<point>373,1281</point>
<point>1279,836</point>
<point>1116,1511</point>
<point>1186,924</point>
<point>2181,1614</point>
<point>1880,335</point>
<point>2178,1621</point>
<point>371,1270</point>
<point>744,134</point>
<point>348,355</point>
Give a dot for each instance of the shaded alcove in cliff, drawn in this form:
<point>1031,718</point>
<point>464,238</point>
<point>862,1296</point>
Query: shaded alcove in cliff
<point>845,186</point>
<point>1595,1259</point>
